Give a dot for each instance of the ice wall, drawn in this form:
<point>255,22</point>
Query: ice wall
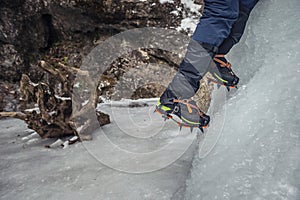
<point>258,154</point>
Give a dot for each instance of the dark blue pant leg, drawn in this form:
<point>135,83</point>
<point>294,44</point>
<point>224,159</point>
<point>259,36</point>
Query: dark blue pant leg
<point>237,30</point>
<point>213,28</point>
<point>216,22</point>
<point>249,4</point>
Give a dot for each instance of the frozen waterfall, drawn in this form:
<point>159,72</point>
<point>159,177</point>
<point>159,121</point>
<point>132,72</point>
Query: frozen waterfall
<point>257,155</point>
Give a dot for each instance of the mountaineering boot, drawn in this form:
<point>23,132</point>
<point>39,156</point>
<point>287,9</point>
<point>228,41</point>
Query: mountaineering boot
<point>223,72</point>
<point>176,98</point>
<point>191,116</point>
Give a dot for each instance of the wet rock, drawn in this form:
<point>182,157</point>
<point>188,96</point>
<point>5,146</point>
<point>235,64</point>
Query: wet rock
<point>65,31</point>
<point>148,91</point>
<point>32,27</point>
<point>10,63</point>
<point>9,94</point>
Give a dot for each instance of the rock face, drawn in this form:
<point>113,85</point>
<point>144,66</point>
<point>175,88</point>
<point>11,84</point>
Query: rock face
<point>66,30</point>
<point>9,97</point>
<point>29,28</point>
<point>24,32</point>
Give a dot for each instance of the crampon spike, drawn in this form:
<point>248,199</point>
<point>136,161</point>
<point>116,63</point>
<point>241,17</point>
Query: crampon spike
<point>180,127</point>
<point>191,128</point>
<point>201,129</point>
<point>165,117</point>
<point>208,81</point>
<point>182,124</point>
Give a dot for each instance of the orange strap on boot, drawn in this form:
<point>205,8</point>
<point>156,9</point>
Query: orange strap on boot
<point>223,64</point>
<point>189,106</point>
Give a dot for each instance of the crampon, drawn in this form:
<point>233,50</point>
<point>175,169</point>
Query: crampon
<point>223,74</point>
<point>219,84</point>
<point>190,115</point>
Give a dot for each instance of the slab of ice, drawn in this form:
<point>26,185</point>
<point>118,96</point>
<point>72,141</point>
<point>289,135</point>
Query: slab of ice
<point>258,154</point>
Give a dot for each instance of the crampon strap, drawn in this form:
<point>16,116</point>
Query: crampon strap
<point>189,106</point>
<point>222,63</point>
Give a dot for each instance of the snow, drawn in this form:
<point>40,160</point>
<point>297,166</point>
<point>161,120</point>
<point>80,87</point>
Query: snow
<point>175,12</point>
<point>37,110</point>
<point>76,85</point>
<point>190,4</point>
<point>52,113</point>
<point>189,22</point>
<point>63,98</point>
<point>85,103</point>
<point>250,151</point>
<point>32,135</point>
<point>166,1</point>
<point>56,144</point>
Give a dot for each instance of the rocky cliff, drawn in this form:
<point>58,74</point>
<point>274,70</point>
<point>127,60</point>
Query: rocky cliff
<point>30,28</point>
<point>43,44</point>
<point>66,30</point>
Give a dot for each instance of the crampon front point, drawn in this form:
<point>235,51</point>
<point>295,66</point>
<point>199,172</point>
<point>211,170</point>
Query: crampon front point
<point>219,84</point>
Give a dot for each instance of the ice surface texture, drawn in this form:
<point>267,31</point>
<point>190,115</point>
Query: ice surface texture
<point>258,155</point>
